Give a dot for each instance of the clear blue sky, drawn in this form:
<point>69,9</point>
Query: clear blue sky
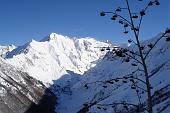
<point>23,20</point>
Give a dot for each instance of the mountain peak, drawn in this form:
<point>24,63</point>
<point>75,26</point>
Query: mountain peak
<point>52,36</point>
<point>55,54</point>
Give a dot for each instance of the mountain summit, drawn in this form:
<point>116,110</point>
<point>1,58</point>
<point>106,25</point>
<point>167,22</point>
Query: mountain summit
<point>50,58</point>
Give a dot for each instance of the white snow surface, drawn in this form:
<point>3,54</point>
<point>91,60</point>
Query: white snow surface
<point>5,49</point>
<point>112,67</point>
<point>50,58</point>
<point>71,63</point>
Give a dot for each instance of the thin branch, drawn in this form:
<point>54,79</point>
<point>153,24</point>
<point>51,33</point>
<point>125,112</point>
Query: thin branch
<point>117,103</point>
<point>139,26</point>
<point>140,80</point>
<point>134,42</point>
<point>138,97</point>
<point>155,44</point>
<point>140,21</point>
<point>121,17</point>
<point>141,88</point>
<point>133,58</point>
<point>128,76</point>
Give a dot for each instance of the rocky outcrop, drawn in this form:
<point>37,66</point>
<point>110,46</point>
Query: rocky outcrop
<point>20,93</point>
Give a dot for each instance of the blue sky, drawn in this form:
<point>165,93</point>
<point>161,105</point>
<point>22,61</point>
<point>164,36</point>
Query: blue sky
<point>23,20</point>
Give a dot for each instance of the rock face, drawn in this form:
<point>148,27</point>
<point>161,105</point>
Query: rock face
<point>19,92</point>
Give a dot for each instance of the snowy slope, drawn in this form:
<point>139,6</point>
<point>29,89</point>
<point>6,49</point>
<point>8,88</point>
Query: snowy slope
<point>51,57</point>
<point>18,91</point>
<point>5,49</point>
<point>113,67</point>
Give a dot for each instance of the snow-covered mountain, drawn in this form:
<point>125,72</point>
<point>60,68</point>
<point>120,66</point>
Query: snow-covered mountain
<point>91,91</point>
<point>50,58</point>
<point>75,68</point>
<point>5,49</point>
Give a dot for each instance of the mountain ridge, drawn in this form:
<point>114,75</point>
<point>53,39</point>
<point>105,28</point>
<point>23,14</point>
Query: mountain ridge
<point>56,51</point>
<point>69,64</point>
